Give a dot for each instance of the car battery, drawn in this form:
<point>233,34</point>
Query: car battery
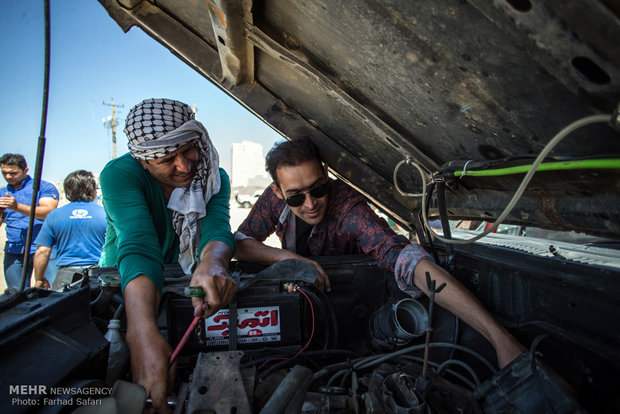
<point>266,316</point>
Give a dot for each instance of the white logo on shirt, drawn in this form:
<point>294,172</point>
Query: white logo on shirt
<point>80,213</point>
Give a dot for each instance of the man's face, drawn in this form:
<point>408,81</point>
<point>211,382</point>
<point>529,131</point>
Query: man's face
<point>176,169</point>
<point>300,179</point>
<point>14,175</point>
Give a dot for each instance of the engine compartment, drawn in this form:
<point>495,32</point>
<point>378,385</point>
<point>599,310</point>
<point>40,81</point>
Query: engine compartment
<point>298,349</point>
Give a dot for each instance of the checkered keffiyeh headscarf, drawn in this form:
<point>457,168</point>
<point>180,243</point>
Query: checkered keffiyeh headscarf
<point>158,127</point>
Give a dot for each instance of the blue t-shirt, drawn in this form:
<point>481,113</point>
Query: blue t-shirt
<point>17,223</point>
<point>78,232</point>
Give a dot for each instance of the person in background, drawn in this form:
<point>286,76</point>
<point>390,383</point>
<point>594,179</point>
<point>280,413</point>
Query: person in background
<point>316,216</point>
<point>167,201</point>
<point>15,201</point>
<point>77,230</point>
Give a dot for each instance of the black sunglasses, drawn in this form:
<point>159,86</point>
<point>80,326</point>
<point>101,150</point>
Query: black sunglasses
<point>318,191</point>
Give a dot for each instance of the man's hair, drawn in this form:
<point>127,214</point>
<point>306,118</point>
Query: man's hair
<point>80,186</point>
<point>16,160</point>
<point>290,154</point>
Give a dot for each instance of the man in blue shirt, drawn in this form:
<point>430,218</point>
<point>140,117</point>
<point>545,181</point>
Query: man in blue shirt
<point>76,229</point>
<point>15,201</point>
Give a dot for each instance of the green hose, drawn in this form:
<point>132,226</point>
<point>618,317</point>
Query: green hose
<point>607,163</point>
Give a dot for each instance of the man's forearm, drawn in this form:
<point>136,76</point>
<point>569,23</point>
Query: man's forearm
<point>150,352</point>
<point>41,260</point>
<point>141,304</point>
<point>40,212</point>
<point>458,300</point>
<point>217,252</point>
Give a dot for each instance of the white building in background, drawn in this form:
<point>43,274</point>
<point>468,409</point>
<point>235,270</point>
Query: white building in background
<point>248,165</point>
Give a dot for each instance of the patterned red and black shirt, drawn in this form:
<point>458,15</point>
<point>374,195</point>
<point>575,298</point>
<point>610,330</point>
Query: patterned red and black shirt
<point>348,227</point>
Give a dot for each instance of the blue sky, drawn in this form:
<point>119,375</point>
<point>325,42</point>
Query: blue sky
<point>93,61</point>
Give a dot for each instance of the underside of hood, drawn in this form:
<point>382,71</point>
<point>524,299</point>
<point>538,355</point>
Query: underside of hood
<point>447,85</point>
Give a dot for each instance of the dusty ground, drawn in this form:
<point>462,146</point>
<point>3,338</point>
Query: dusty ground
<point>237,215</point>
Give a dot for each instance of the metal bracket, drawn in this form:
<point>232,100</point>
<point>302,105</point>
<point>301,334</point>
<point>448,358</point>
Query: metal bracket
<point>217,385</point>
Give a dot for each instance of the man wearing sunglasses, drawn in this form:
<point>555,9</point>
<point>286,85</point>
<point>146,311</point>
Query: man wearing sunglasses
<point>316,216</point>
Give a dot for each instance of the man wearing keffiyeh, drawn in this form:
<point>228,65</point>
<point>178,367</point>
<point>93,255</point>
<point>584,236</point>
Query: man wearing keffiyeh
<point>166,202</point>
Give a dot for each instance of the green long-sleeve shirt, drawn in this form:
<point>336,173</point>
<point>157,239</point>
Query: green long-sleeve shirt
<point>140,238</point>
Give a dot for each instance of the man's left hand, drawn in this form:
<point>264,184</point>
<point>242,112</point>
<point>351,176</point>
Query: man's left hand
<point>218,286</point>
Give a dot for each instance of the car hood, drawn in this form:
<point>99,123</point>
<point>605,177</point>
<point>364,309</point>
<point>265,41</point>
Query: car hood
<point>447,85</point>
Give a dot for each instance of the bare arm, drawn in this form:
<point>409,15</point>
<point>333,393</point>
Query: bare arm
<point>458,300</point>
<point>149,350</point>
<point>41,259</point>
<point>41,211</point>
<point>251,250</point>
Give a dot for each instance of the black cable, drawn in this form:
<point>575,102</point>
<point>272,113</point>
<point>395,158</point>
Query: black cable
<point>308,354</point>
<point>536,373</point>
<point>40,147</point>
<point>282,364</point>
<point>119,312</point>
<point>325,318</point>
<point>427,233</point>
<point>455,341</point>
<point>445,224</point>
<point>330,312</point>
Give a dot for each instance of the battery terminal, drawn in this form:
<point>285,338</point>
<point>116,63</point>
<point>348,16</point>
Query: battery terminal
<point>290,287</point>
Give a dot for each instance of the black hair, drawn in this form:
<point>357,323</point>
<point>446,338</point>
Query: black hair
<point>16,160</point>
<point>290,153</point>
<point>80,186</point>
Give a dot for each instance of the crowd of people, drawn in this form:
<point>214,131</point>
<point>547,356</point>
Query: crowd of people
<point>167,201</point>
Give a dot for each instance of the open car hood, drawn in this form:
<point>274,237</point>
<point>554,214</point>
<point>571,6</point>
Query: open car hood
<point>374,83</point>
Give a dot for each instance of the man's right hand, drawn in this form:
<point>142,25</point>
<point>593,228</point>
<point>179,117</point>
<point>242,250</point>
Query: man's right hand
<point>43,283</point>
<point>150,353</point>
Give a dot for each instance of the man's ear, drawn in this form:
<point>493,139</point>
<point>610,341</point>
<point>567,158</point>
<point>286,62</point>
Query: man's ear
<point>276,190</point>
<point>26,170</point>
<point>325,169</point>
<point>143,163</point>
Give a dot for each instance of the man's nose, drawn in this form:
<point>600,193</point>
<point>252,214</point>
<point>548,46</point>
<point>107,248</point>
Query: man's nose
<point>182,164</point>
<point>309,201</point>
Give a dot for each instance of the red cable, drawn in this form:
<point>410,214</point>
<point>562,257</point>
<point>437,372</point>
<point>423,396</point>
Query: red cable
<point>184,339</point>
<point>309,340</point>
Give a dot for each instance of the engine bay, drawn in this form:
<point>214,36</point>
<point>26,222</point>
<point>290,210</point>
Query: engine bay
<point>361,348</point>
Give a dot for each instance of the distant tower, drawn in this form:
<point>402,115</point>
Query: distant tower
<point>248,165</point>
<point>110,123</point>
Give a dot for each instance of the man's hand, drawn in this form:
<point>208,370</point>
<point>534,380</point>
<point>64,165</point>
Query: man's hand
<point>218,286</point>
<point>8,202</point>
<point>42,283</point>
<point>150,353</point>
<point>212,275</point>
<point>322,281</point>
<point>251,250</point>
